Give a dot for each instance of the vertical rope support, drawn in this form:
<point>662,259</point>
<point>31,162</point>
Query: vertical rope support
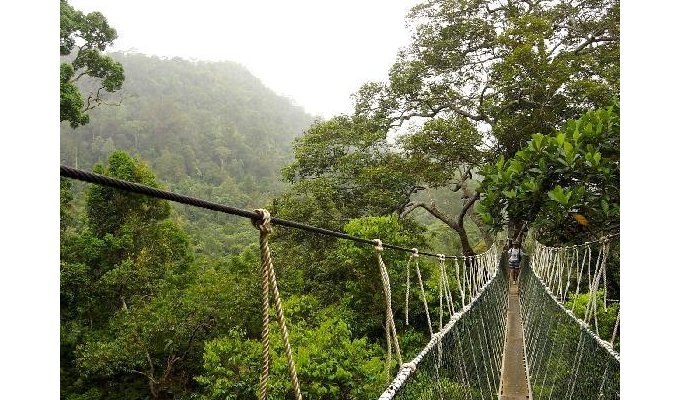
<point>616,326</point>
<point>422,291</point>
<point>264,374</point>
<point>390,328</point>
<point>445,284</point>
<point>408,284</point>
<point>461,285</point>
<point>269,285</point>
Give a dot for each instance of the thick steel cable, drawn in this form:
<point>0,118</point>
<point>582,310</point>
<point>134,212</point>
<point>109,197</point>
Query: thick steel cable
<point>138,188</point>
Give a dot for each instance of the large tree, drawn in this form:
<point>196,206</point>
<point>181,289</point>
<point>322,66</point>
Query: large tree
<point>480,78</point>
<point>83,38</point>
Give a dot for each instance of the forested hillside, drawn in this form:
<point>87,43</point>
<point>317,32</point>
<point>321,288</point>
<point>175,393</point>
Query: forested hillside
<point>207,129</point>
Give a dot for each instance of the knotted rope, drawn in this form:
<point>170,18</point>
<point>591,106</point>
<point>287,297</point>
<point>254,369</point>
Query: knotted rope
<point>390,328</point>
<point>263,224</point>
<point>415,256</point>
<point>408,283</point>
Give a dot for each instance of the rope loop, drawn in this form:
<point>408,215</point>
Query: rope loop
<point>378,245</point>
<point>415,252</point>
<point>264,223</point>
<point>442,257</point>
<point>411,365</point>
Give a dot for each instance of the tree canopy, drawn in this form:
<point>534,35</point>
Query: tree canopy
<point>207,129</point>
<point>83,39</point>
<point>477,81</point>
<point>565,185</point>
<point>513,68</point>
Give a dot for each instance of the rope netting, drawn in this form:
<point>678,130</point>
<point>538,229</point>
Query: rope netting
<point>566,359</point>
<point>578,271</point>
<point>463,359</point>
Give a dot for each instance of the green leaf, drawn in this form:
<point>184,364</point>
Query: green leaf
<point>560,195</point>
<point>597,157</point>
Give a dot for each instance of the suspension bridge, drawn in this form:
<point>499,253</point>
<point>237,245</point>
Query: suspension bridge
<point>507,341</point>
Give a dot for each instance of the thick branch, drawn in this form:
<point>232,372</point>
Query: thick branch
<point>480,117</point>
<point>147,376</point>
<point>464,176</point>
<point>151,368</point>
<point>403,206</point>
<point>434,211</point>
<point>405,117</point>
<point>467,206</point>
<point>591,40</point>
<point>486,234</point>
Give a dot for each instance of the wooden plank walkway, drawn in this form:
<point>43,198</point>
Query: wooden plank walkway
<point>513,377</point>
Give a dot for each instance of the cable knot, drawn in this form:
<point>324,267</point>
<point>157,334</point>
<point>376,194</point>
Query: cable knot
<point>415,252</point>
<point>378,244</point>
<point>411,365</point>
<point>264,222</point>
<point>442,257</point>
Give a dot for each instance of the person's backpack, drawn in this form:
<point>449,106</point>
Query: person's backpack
<point>514,256</point>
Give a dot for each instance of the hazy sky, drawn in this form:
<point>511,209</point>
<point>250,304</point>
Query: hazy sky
<point>316,52</point>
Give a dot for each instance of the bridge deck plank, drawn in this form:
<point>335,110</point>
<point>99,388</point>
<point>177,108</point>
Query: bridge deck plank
<point>513,377</point>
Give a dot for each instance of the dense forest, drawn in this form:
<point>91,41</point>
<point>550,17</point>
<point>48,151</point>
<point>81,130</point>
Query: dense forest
<point>516,130</point>
<point>209,130</point>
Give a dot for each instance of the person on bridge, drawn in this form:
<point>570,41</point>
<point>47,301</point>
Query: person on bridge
<point>514,257</point>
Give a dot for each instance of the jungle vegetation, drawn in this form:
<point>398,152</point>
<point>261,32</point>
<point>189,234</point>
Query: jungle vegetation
<point>499,116</point>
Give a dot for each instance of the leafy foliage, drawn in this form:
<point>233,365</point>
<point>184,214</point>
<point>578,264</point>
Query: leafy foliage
<point>566,185</point>
<point>511,68</point>
<point>83,38</point>
<point>606,316</point>
<point>208,130</point>
<point>349,162</point>
<point>119,276</point>
<point>330,364</point>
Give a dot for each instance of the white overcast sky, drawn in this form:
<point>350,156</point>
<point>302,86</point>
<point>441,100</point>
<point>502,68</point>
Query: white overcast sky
<point>315,52</point>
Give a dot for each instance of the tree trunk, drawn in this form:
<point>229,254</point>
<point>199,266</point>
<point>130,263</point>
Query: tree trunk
<point>516,231</point>
<point>464,241</point>
<point>486,235</point>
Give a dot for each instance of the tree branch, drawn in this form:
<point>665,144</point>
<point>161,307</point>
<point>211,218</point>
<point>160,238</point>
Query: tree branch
<point>434,211</point>
<point>147,376</point>
<point>486,235</point>
<point>467,205</point>
<point>148,358</point>
<point>464,176</point>
<point>591,40</point>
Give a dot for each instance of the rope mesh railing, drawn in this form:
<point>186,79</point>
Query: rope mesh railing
<point>577,274</point>
<point>463,359</point>
<point>565,358</point>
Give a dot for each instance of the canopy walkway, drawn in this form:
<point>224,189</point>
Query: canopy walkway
<point>508,341</point>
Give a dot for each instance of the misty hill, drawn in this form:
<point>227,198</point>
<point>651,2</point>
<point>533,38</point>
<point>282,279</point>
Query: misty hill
<point>207,129</point>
